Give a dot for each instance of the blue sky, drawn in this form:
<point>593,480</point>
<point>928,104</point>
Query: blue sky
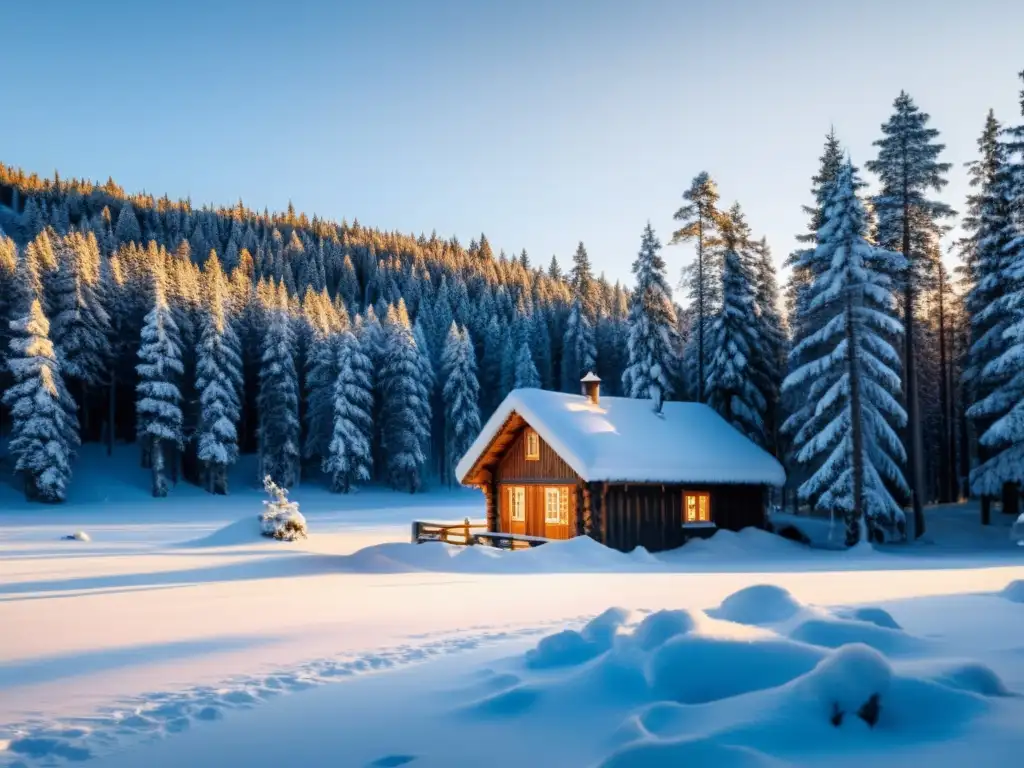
<point>538,123</point>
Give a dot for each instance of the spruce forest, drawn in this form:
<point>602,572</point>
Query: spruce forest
<point>344,355</point>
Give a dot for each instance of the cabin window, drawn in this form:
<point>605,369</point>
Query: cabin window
<point>696,508</point>
<point>556,506</point>
<point>532,446</point>
<point>517,504</point>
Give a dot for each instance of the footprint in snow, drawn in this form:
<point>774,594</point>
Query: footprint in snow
<point>392,761</point>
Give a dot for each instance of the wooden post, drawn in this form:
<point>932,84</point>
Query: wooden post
<point>588,513</point>
<point>415,531</point>
<point>491,505</point>
<point>469,541</point>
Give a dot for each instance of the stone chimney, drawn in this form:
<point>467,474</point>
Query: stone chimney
<point>591,386</point>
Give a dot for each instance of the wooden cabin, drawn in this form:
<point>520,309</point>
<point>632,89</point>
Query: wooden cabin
<point>556,465</point>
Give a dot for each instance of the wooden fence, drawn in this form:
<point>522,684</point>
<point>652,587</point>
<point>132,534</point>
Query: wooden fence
<point>449,533</point>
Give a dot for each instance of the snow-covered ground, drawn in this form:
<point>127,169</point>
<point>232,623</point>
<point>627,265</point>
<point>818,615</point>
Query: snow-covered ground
<point>178,636</point>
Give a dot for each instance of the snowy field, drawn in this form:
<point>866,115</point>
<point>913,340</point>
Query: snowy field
<point>177,636</point>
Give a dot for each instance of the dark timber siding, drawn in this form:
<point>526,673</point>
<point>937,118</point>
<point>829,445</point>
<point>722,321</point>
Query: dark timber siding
<point>514,466</point>
<point>651,516</point>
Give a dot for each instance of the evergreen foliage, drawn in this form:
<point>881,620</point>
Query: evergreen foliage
<point>461,395</point>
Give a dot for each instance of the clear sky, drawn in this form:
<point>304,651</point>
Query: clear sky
<point>537,123</point>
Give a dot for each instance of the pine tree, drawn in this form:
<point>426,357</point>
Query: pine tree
<point>854,382</point>
<point>405,403</point>
<point>908,169</point>
<point>461,397</point>
<point>490,368</point>
<point>127,229</point>
<point>81,325</point>
<point>218,382</point>
<point>581,280</point>
<point>995,301</point>
<point>526,371</point>
<point>579,348</point>
<point>350,456</point>
<point>699,218</point>
<point>731,387</point>
<point>44,430</point>
<point>279,430</point>
<point>322,361</point>
<point>158,401</point>
<point>653,340</point>
<point>769,356</point>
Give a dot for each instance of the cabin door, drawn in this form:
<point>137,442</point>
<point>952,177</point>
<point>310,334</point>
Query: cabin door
<point>517,509</point>
<point>555,511</point>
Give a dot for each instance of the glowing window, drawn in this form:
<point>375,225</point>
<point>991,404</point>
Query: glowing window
<point>696,508</point>
<point>517,504</point>
<point>556,506</point>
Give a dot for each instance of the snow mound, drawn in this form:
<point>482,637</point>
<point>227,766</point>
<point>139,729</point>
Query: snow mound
<point>757,605</point>
<point>852,680</point>
<point>833,633</point>
<point>1014,591</point>
<point>694,669</point>
<point>77,536</point>
<point>973,677</point>
<point>244,531</point>
<point>687,752</point>
<point>661,626</point>
<point>570,648</point>
<point>747,542</point>
<point>872,615</point>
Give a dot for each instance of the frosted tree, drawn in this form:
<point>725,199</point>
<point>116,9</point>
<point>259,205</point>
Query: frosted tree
<point>526,371</point>
<point>325,323</point>
<point>490,367</point>
<point>579,348</point>
<point>44,431</point>
<point>769,359</point>
<point>461,396</point>
<point>853,381</point>
<point>158,393</point>
<point>731,388</point>
<point>405,404</point>
<point>218,382</point>
<point>653,342</point>
<point>13,297</point>
<point>699,217</point>
<point>426,371</point>
<point>350,455</point>
<point>908,169</point>
<point>995,271</point>
<point>127,229</point>
<point>278,402</point>
<point>81,329</point>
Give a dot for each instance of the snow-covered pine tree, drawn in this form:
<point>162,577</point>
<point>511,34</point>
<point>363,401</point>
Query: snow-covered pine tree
<point>218,382</point>
<point>526,371</point>
<point>579,348</point>
<point>652,343</point>
<point>44,429</point>
<point>81,326</point>
<point>325,323</point>
<point>13,297</point>
<point>490,367</point>
<point>769,356</point>
<point>278,403</point>
<point>731,388</point>
<point>405,416</point>
<point>908,169</point>
<point>995,271</point>
<point>854,381</point>
<point>127,229</point>
<point>426,367</point>
<point>350,455</point>
<point>158,396</point>
<point>699,217</point>
<point>461,395</point>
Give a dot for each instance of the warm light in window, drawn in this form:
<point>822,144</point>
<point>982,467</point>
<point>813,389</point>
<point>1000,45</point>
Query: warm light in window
<point>696,508</point>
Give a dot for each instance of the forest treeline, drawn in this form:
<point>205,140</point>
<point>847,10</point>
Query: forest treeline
<point>342,354</point>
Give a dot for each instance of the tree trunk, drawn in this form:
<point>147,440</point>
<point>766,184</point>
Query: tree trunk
<point>915,458</point>
<point>946,458</point>
<point>112,414</point>
<point>986,510</point>
<point>700,311</point>
<point>1011,499</point>
<point>157,462</point>
<point>854,520</point>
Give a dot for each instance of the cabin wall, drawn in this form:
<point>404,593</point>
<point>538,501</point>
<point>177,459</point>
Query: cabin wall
<point>513,465</point>
<point>651,516</point>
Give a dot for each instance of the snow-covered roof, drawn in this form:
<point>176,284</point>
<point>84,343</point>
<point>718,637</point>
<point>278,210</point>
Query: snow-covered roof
<point>624,440</point>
